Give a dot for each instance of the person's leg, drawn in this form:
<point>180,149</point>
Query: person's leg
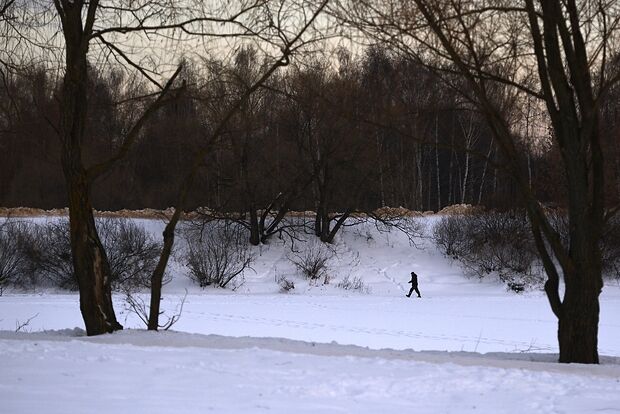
<point>416,291</point>
<point>410,291</point>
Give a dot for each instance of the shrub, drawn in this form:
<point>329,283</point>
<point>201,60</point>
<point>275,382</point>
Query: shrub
<point>451,235</point>
<point>285,284</point>
<point>217,254</point>
<point>15,263</point>
<point>54,260</point>
<point>313,261</point>
<point>492,242</point>
<point>353,284</point>
<point>132,253</point>
<point>503,243</point>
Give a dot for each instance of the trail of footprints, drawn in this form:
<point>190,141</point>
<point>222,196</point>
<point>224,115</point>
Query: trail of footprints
<point>373,331</point>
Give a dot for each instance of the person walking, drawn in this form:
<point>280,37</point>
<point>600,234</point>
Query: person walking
<point>414,285</point>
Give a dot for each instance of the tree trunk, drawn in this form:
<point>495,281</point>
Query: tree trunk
<point>90,263</point>
<point>465,179</point>
<point>254,227</point>
<point>339,223</point>
<point>484,172</point>
<point>579,316</point>
<point>325,224</point>
<point>578,323</point>
<point>267,231</point>
<point>158,274</point>
<point>318,221</point>
<point>379,146</point>
<point>437,169</point>
<point>418,179</point>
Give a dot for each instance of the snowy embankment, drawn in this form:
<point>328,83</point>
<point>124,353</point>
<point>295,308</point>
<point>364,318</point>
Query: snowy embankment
<point>135,372</point>
<point>466,346</point>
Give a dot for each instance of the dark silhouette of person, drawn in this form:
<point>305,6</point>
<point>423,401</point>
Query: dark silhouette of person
<point>414,285</point>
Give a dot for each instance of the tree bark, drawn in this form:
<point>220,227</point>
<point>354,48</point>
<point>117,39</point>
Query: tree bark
<point>158,274</point>
<point>437,169</point>
<point>578,322</point>
<point>254,227</point>
<point>331,234</point>
<point>90,262</point>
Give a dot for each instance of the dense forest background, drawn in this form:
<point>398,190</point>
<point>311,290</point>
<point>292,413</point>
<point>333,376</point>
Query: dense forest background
<point>326,134</point>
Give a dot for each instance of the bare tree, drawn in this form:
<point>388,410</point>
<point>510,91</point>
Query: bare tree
<point>292,39</point>
<point>91,266</point>
<point>260,194</point>
<point>331,148</point>
<point>72,34</point>
<point>559,53</point>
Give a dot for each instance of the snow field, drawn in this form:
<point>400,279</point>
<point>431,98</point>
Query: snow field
<point>133,372</point>
<point>465,346</point>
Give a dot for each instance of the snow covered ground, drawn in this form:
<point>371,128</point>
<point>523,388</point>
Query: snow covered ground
<point>465,346</point>
<point>135,372</point>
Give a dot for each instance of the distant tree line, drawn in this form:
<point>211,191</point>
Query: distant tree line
<point>329,135</point>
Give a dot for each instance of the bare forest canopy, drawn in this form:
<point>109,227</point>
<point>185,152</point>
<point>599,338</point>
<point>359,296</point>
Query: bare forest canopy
<point>369,131</point>
<point>355,129</point>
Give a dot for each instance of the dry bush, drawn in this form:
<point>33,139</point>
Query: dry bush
<point>313,261</point>
<point>132,253</point>
<point>492,242</point>
<point>355,283</point>
<point>42,253</point>
<point>15,264</point>
<point>502,242</point>
<point>286,285</point>
<point>136,304</point>
<point>452,235</point>
<point>54,260</point>
<point>217,253</point>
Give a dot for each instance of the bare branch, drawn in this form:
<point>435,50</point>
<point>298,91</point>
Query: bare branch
<point>164,97</point>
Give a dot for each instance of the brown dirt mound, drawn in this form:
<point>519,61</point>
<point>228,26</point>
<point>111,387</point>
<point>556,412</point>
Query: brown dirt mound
<point>60,212</point>
<point>149,213</point>
<point>387,212</point>
<point>460,209</point>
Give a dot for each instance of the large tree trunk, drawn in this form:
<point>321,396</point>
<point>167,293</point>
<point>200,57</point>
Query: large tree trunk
<point>90,262</point>
<point>578,323</point>
<point>579,318</point>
